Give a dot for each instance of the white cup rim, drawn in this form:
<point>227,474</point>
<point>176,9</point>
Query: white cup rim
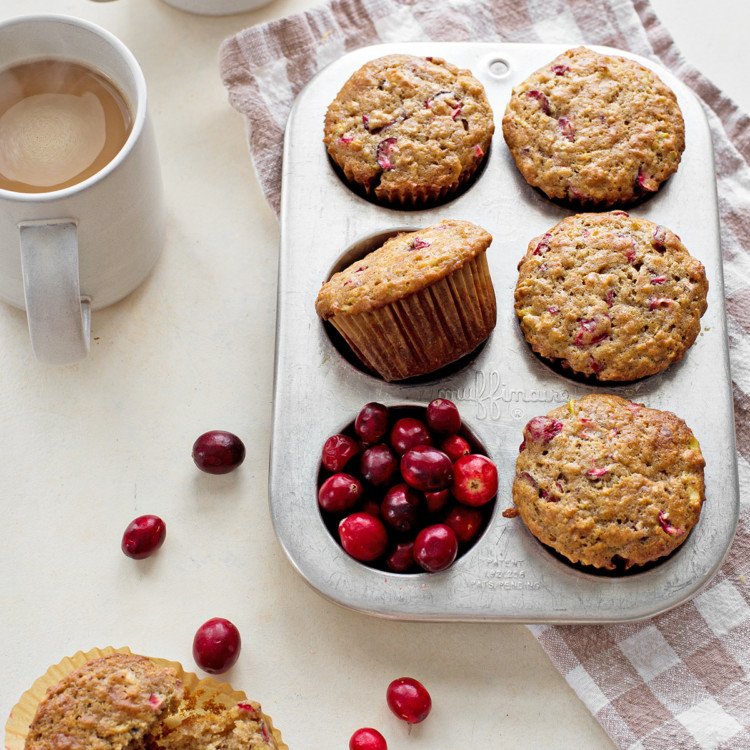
<point>139,106</point>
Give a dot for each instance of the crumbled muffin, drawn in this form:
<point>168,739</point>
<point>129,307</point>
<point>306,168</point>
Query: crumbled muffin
<point>607,482</point>
<point>596,129</point>
<point>610,296</point>
<point>409,130</point>
<point>421,301</point>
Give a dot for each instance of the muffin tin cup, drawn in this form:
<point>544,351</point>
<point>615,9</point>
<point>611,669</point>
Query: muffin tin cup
<point>508,575</point>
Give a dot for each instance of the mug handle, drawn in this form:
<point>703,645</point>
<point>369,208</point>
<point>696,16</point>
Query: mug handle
<point>59,318</point>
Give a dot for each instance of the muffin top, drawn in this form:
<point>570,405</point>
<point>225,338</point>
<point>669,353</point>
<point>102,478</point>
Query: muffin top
<point>610,295</point>
<point>110,703</point>
<point>405,264</point>
<point>404,123</point>
<point>594,128</point>
<point>604,481</point>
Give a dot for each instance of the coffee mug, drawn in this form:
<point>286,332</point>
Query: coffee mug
<point>81,200</point>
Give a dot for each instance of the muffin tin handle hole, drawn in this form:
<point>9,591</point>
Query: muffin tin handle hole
<point>499,68</point>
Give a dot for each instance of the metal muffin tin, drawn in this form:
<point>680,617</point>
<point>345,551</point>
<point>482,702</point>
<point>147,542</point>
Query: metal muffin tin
<point>507,575</point>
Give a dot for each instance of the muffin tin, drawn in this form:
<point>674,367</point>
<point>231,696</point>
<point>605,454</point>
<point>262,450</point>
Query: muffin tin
<point>508,575</point>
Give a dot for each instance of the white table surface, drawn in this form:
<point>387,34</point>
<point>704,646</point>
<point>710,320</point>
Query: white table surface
<point>85,449</point>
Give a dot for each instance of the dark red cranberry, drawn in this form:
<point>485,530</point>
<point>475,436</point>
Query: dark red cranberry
<point>216,645</point>
<point>401,507</point>
<point>371,423</point>
<point>465,521</point>
<point>143,536</point>
<point>339,492</point>
<point>371,505</point>
<point>474,479</point>
<point>455,446</point>
<point>337,451</point>
<point>363,536</point>
<point>367,739</point>
<point>408,433</point>
<point>409,700</point>
<point>436,547</point>
<point>401,559</point>
<point>427,469</point>
<point>218,452</point>
<point>378,465</point>
<point>436,501</point>
<point>443,416</point>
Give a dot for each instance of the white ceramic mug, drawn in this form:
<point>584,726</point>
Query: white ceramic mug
<point>66,252</point>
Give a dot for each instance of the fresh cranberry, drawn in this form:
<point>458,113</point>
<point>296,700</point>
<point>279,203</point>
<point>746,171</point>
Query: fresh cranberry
<point>143,536</point>
<point>455,446</point>
<point>401,559</point>
<point>427,469</point>
<point>216,645</point>
<point>339,492</point>
<point>409,700</point>
<point>474,479</point>
<point>218,452</point>
<point>400,508</point>
<point>465,522</point>
<point>371,423</point>
<point>378,465</point>
<point>367,739</point>
<point>542,429</point>
<point>363,536</point>
<point>337,451</point>
<point>436,547</point>
<point>443,416</point>
<point>436,501</point>
<point>370,505</point>
<point>408,433</point>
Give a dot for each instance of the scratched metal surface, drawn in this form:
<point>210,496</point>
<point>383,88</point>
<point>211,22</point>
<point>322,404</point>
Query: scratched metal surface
<point>507,575</point>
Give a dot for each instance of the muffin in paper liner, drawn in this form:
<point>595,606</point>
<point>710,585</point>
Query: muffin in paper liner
<point>203,697</point>
<point>418,303</point>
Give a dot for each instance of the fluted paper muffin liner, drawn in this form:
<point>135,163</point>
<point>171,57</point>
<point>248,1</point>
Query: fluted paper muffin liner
<point>427,330</point>
<point>202,695</point>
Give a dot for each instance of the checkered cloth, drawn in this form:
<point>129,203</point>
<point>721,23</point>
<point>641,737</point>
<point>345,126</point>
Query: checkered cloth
<point>682,679</point>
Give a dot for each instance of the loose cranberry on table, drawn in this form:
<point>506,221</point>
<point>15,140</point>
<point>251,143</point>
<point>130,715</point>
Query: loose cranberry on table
<point>371,423</point>
<point>427,469</point>
<point>443,416</point>
<point>216,646</point>
<point>474,479</point>
<point>436,547</point>
<point>340,492</point>
<point>363,536</point>
<point>409,700</point>
<point>337,451</point>
<point>367,738</point>
<point>408,433</point>
<point>143,536</point>
<point>218,452</point>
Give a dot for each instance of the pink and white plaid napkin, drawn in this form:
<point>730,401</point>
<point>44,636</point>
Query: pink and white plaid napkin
<point>682,679</point>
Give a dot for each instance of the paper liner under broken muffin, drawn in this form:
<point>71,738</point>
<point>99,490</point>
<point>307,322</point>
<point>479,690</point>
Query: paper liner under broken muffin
<point>203,696</point>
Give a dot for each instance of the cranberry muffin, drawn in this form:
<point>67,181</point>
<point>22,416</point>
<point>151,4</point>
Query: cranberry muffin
<point>607,482</point>
<point>594,129</point>
<point>610,296</point>
<point>409,130</point>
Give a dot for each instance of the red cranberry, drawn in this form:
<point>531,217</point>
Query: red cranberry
<point>465,522</point>
<point>400,508</point>
<point>371,423</point>
<point>339,492</point>
<point>216,645</point>
<point>218,452</point>
<point>367,739</point>
<point>436,547</point>
<point>363,536</point>
<point>443,416</point>
<point>370,505</point>
<point>337,451</point>
<point>401,559</point>
<point>378,465</point>
<point>409,700</point>
<point>408,433</point>
<point>143,536</point>
<point>455,446</point>
<point>474,480</point>
<point>427,469</point>
<point>436,501</point>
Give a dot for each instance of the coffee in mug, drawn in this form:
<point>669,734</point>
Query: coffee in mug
<point>60,123</point>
